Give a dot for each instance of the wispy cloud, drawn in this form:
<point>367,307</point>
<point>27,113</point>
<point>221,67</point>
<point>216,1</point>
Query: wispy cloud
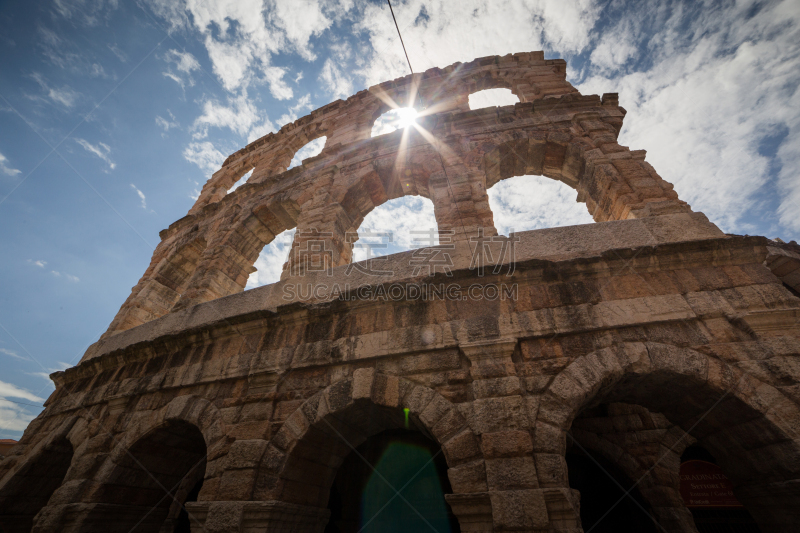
<point>13,354</point>
<point>240,116</point>
<point>271,259</point>
<point>7,170</point>
<point>8,390</point>
<point>64,96</point>
<point>101,150</point>
<point>68,277</point>
<point>526,203</point>
<point>180,67</point>
<point>56,273</point>
<point>303,104</point>
<point>83,12</point>
<point>14,416</point>
<point>122,56</point>
<point>277,86</point>
<point>167,124</point>
<point>205,156</point>
<point>141,196</point>
<point>336,81</point>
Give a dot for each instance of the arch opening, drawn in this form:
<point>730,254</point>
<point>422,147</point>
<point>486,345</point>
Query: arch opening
<point>492,98</point>
<point>397,225</point>
<point>708,494</point>
<point>271,260</point>
<point>311,149</point>
<point>609,500</point>
<point>750,446</point>
<point>32,486</point>
<point>241,181</point>
<point>404,492</point>
<point>152,481</point>
<point>393,120</point>
<point>524,203</point>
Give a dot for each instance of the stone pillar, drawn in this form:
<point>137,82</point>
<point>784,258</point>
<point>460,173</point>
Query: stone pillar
<point>618,184</point>
<point>223,270</point>
<point>321,242</point>
<point>460,202</point>
<point>236,517</point>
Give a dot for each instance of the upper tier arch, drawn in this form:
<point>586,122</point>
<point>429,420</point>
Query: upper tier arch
<point>451,156</point>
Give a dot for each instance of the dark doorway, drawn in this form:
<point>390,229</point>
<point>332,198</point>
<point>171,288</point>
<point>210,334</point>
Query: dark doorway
<point>709,519</point>
<point>363,499</point>
<point>604,505</point>
<point>151,482</point>
<point>32,486</point>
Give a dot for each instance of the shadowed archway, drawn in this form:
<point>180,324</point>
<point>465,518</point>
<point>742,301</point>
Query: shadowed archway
<point>150,483</point>
<point>31,487</point>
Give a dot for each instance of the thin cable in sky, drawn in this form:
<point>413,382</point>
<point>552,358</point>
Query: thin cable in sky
<point>399,35</point>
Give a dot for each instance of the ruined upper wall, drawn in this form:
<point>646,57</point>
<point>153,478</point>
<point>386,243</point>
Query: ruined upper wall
<point>438,90</point>
<point>452,156</point>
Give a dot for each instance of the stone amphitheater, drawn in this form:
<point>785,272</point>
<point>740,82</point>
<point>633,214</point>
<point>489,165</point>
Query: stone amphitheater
<point>518,363</point>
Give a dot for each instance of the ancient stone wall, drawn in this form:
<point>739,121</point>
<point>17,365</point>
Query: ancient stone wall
<point>249,404</point>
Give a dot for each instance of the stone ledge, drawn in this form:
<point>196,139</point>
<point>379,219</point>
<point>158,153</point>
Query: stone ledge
<point>553,245</point>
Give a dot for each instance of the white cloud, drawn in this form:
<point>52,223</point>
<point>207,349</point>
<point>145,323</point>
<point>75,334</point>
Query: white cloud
<point>410,222</point>
<point>205,156</point>
<point>492,98</point>
<point>524,203</point>
<point>122,56</point>
<point>300,20</point>
<point>277,86</point>
<point>101,150</point>
<point>241,36</point>
<point>270,261</point>
<point>7,170</point>
<point>167,124</point>
<point>141,196</point>
<point>309,150</point>
<point>68,277</point>
<point>39,263</point>
<point>336,81</point>
<point>441,32</point>
<point>12,391</point>
<point>615,47</point>
<point>64,95</point>
<point>182,62</point>
<point>703,108</point>
<point>259,130</point>
<point>12,353</point>
<point>86,12</point>
<point>303,104</point>
<point>13,416</point>
<point>240,116</point>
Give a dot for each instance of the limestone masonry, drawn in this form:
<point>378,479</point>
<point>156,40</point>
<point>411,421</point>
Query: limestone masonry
<point>630,339</point>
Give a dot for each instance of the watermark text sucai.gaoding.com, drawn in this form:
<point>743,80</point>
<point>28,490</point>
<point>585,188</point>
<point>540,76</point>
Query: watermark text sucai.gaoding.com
<point>396,292</point>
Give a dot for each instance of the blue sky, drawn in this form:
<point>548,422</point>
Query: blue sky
<point>113,115</point>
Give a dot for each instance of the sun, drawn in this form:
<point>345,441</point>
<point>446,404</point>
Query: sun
<point>406,116</point>
<point>398,118</point>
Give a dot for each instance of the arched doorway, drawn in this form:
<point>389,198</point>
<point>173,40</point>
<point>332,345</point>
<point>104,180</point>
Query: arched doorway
<point>393,482</point>
<point>30,488</point>
<point>704,401</point>
<point>707,493</point>
<point>609,500</point>
<point>152,481</point>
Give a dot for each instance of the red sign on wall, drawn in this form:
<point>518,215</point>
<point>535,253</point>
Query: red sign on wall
<point>704,485</point>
